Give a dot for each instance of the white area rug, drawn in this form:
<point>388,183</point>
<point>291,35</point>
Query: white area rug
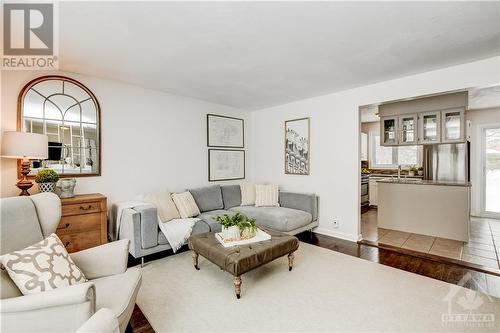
<point>325,291</point>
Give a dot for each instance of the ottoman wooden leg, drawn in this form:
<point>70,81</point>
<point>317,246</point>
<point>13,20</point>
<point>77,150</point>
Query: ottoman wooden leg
<point>290,261</point>
<point>237,286</point>
<point>195,261</point>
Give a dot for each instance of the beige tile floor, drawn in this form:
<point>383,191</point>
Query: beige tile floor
<point>483,247</point>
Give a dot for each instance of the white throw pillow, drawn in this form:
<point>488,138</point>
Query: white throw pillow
<point>185,204</point>
<point>247,194</point>
<point>167,210</point>
<point>43,266</point>
<point>266,195</point>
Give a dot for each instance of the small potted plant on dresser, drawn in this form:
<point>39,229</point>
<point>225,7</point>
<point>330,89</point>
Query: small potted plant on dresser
<point>420,171</point>
<point>46,179</point>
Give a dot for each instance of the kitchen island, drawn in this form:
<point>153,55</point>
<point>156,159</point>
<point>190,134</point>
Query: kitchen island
<point>425,207</point>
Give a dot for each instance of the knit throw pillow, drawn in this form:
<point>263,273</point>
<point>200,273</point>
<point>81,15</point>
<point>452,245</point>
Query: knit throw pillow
<point>247,194</point>
<point>43,266</point>
<point>266,195</point>
<point>185,204</point>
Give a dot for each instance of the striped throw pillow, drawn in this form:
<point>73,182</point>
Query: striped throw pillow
<point>266,195</point>
<point>185,204</point>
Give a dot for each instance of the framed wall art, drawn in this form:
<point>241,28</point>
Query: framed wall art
<point>225,132</point>
<point>226,164</point>
<point>297,146</point>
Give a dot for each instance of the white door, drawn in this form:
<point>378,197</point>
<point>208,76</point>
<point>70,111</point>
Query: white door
<point>490,158</point>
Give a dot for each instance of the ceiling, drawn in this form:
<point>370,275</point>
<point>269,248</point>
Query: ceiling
<point>253,55</point>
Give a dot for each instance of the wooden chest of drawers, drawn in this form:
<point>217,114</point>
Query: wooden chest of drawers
<point>83,222</point>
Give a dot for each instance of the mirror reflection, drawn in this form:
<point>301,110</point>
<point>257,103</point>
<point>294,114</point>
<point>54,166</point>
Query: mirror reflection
<point>68,113</point>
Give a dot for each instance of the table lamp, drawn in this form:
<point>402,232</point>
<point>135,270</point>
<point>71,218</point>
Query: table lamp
<point>25,146</point>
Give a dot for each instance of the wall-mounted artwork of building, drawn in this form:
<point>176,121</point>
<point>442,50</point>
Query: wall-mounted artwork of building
<point>297,146</point>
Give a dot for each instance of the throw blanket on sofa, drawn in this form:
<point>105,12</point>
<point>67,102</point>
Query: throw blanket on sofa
<point>177,231</point>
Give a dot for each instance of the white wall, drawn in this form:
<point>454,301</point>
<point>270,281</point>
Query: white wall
<point>151,140</point>
<point>335,137</point>
<point>478,119</point>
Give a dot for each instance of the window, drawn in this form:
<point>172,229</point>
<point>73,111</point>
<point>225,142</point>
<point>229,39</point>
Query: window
<point>390,157</point>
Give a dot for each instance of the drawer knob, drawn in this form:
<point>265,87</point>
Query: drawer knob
<point>66,244</point>
<point>85,208</point>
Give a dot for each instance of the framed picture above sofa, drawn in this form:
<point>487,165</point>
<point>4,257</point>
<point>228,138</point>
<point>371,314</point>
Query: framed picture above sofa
<point>225,132</point>
<point>297,146</point>
<point>226,164</point>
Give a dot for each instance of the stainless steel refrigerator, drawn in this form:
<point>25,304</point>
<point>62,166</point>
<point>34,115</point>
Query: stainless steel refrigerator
<point>446,162</point>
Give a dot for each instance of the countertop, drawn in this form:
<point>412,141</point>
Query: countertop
<point>413,181</point>
<point>393,175</point>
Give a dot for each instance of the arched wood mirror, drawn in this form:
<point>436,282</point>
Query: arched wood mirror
<point>69,114</point>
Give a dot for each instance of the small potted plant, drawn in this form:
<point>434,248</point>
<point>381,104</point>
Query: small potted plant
<point>420,171</point>
<point>46,179</point>
<point>412,170</point>
<point>248,228</point>
<point>230,229</point>
<point>236,226</point>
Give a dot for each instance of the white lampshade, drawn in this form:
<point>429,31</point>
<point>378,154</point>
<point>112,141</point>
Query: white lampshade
<point>25,145</point>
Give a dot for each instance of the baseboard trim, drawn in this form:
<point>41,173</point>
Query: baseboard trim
<point>336,234</point>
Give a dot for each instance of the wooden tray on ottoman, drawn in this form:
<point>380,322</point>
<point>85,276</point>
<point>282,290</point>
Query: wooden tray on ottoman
<point>240,259</point>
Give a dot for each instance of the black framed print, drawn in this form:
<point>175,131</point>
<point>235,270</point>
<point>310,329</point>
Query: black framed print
<point>225,132</point>
<point>297,146</point>
<point>226,164</point>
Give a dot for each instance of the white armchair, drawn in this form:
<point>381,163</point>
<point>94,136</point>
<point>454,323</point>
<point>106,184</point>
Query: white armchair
<point>28,220</point>
<point>103,321</point>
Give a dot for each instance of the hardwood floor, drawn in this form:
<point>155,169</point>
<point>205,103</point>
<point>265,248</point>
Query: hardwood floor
<point>447,272</point>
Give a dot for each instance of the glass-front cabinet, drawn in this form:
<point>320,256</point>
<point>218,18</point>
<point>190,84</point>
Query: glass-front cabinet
<point>408,129</point>
<point>389,130</point>
<point>430,127</point>
<point>452,125</point>
<point>441,126</point>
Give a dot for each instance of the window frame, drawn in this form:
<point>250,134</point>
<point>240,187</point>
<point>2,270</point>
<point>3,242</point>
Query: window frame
<point>372,153</point>
<point>20,120</point>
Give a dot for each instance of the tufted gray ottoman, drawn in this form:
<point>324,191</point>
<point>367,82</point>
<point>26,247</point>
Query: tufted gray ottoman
<point>240,259</point>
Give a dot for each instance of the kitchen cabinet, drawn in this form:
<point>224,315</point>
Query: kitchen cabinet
<point>373,191</point>
<point>364,146</point>
<point>453,125</point>
<point>389,131</point>
<point>442,126</point>
<point>432,209</point>
<point>429,127</point>
<point>408,129</point>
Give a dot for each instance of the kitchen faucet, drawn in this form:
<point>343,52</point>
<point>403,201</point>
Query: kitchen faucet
<point>399,172</point>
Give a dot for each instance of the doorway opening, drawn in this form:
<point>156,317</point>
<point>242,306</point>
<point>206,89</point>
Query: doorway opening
<point>490,157</point>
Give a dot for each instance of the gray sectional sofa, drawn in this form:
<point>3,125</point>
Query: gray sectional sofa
<point>298,212</point>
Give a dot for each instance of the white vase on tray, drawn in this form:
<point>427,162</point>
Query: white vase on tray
<point>231,233</point>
